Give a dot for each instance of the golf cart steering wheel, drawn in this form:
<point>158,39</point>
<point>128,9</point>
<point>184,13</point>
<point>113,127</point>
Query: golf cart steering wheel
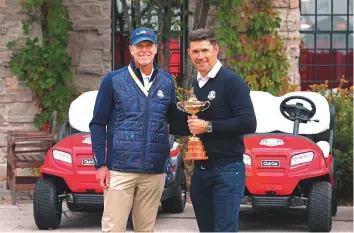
<point>297,111</point>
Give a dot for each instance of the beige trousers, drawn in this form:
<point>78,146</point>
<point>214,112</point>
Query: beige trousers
<point>127,190</point>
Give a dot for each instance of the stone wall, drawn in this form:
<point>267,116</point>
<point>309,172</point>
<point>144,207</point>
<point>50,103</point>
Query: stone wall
<point>289,12</point>
<point>90,41</point>
<point>16,102</point>
<point>89,46</point>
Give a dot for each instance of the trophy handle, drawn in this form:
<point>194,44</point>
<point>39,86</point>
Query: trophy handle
<point>205,103</point>
<point>180,106</point>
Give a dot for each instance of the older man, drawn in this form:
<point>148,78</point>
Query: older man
<point>130,122</point>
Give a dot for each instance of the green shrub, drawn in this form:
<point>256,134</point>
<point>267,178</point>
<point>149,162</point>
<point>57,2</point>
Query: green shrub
<point>43,63</point>
<point>342,99</point>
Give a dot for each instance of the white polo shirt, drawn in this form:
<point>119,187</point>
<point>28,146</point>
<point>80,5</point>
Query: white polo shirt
<point>212,73</point>
<point>146,78</point>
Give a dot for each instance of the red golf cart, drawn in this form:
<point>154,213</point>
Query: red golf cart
<point>68,172</point>
<point>289,160</point>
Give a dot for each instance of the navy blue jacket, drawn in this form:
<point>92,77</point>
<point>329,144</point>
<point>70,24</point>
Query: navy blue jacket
<point>137,130</point>
<point>232,116</point>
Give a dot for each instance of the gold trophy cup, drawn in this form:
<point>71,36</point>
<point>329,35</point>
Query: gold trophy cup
<point>195,148</point>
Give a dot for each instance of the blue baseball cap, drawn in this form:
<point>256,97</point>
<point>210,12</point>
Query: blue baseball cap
<point>141,34</point>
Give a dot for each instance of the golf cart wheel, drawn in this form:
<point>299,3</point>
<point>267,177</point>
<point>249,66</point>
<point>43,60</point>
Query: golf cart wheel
<point>176,204</point>
<point>320,207</point>
<point>47,208</point>
<point>334,207</point>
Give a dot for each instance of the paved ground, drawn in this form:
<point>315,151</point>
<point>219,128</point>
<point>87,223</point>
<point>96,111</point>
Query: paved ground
<point>20,218</point>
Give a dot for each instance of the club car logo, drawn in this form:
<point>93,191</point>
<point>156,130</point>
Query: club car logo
<point>271,142</point>
<point>87,140</point>
<point>87,162</point>
<point>270,163</point>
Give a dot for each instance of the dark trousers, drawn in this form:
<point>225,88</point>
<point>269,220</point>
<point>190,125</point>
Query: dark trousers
<point>216,195</point>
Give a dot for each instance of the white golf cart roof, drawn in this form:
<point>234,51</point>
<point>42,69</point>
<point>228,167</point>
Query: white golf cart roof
<point>269,118</point>
<point>266,106</point>
<point>81,111</point>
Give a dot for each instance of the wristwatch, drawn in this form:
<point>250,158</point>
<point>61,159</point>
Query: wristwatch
<point>209,129</point>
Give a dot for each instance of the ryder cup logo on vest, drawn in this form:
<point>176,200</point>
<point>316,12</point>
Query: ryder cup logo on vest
<point>211,95</point>
<point>160,94</point>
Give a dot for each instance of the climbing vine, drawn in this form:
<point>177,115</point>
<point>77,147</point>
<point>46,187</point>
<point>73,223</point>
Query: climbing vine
<point>248,32</point>
<point>42,63</point>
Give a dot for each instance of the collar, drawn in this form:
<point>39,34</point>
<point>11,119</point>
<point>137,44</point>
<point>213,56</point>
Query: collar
<point>147,76</point>
<point>212,73</point>
<point>139,73</point>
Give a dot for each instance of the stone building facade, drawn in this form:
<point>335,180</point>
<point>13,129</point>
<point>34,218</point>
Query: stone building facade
<point>90,49</point>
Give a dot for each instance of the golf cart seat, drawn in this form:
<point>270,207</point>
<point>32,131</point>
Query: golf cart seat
<point>83,107</point>
<point>270,119</point>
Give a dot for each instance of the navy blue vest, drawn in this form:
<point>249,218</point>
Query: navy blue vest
<point>138,125</point>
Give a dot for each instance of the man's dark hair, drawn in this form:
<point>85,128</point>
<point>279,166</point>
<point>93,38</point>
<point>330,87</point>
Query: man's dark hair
<point>203,34</point>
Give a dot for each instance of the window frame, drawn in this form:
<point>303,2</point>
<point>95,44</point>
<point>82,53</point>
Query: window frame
<point>332,81</point>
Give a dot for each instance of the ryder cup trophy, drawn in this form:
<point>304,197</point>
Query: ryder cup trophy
<point>195,148</point>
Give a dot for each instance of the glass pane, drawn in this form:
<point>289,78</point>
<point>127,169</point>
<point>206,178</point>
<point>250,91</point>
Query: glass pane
<point>323,41</point>
<point>350,22</point>
<point>307,56</point>
<point>305,86</point>
<point>340,6</point>
<point>122,55</point>
<point>323,57</point>
<point>175,57</point>
<point>323,73</point>
<point>308,7</point>
<point>307,73</point>
<point>350,40</point>
<point>339,57</point>
<point>350,74</point>
<point>350,57</point>
<point>338,72</point>
<point>324,23</point>
<point>307,23</point>
<point>339,23</point>
<point>339,41</point>
<point>307,41</point>
<point>323,6</point>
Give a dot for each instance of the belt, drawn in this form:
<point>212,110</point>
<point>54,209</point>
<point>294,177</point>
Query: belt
<point>206,167</point>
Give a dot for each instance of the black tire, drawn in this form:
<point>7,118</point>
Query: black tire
<point>334,207</point>
<point>320,207</point>
<point>47,209</point>
<point>176,204</point>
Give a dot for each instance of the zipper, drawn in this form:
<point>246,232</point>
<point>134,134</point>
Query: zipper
<point>145,129</point>
<point>146,121</point>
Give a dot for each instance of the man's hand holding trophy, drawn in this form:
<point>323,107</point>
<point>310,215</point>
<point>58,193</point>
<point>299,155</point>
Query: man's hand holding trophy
<point>195,148</point>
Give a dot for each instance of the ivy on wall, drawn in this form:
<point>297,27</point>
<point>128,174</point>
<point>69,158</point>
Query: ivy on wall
<point>42,62</point>
<point>248,32</point>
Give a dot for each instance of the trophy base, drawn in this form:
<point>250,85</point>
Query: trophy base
<point>195,150</point>
<point>196,156</point>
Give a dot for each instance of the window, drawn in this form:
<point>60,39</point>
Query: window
<point>326,42</point>
<point>121,33</point>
